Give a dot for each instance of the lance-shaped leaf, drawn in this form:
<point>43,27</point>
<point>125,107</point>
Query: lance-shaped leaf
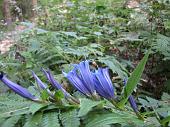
<point>133,80</point>
<point>17,88</point>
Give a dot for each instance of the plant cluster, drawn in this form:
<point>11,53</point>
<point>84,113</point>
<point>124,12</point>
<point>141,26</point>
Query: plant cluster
<point>75,93</point>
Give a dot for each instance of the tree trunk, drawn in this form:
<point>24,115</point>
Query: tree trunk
<point>34,5</point>
<point>6,12</point>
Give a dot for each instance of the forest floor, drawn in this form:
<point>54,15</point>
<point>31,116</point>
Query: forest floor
<point>9,38</point>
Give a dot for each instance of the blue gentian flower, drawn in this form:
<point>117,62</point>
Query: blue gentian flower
<point>54,83</point>
<point>17,88</point>
<point>131,99</point>
<point>103,83</point>
<point>133,103</point>
<point>41,84</point>
<point>82,78</point>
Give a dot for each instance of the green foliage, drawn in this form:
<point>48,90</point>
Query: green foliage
<point>12,105</point>
<point>86,105</point>
<point>11,122</point>
<point>105,31</point>
<point>50,119</point>
<point>70,119</point>
<point>160,108</point>
<point>36,107</point>
<point>162,45</point>
<point>134,79</point>
<point>34,121</point>
<point>113,118</point>
<point>114,65</point>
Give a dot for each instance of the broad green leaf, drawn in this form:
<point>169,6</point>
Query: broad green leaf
<point>86,105</point>
<point>70,119</point>
<point>133,80</point>
<point>153,102</point>
<point>36,107</point>
<point>15,112</point>
<point>143,102</point>
<point>112,118</point>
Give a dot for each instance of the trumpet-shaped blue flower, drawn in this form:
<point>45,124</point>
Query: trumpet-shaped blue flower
<point>41,84</point>
<point>103,83</point>
<point>82,78</point>
<point>133,103</point>
<point>54,83</point>
<point>131,99</point>
<point>17,88</point>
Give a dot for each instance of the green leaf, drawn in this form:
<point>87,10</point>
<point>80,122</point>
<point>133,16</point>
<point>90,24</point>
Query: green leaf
<point>152,122</point>
<point>70,119</point>
<point>157,110</point>
<point>167,24</point>
<point>12,105</point>
<point>86,105</point>
<point>133,80</point>
<point>114,65</point>
<point>165,120</point>
<point>165,97</point>
<point>112,118</point>
<point>72,34</point>
<point>10,122</point>
<point>34,121</point>
<point>59,94</point>
<point>162,45</point>
<point>153,102</point>
<point>44,94</point>
<point>15,112</point>
<point>50,119</point>
<point>36,107</point>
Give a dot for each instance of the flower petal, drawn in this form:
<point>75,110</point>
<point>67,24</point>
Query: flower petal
<point>17,88</point>
<point>104,85</point>
<point>131,99</point>
<point>41,84</point>
<point>86,76</point>
<point>76,82</point>
<point>133,103</point>
<point>54,83</point>
<point>98,88</point>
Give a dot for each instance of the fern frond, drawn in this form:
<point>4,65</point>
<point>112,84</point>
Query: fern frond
<point>10,122</point>
<point>50,119</point>
<point>162,45</point>
<point>34,121</point>
<point>12,104</point>
<point>70,119</point>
